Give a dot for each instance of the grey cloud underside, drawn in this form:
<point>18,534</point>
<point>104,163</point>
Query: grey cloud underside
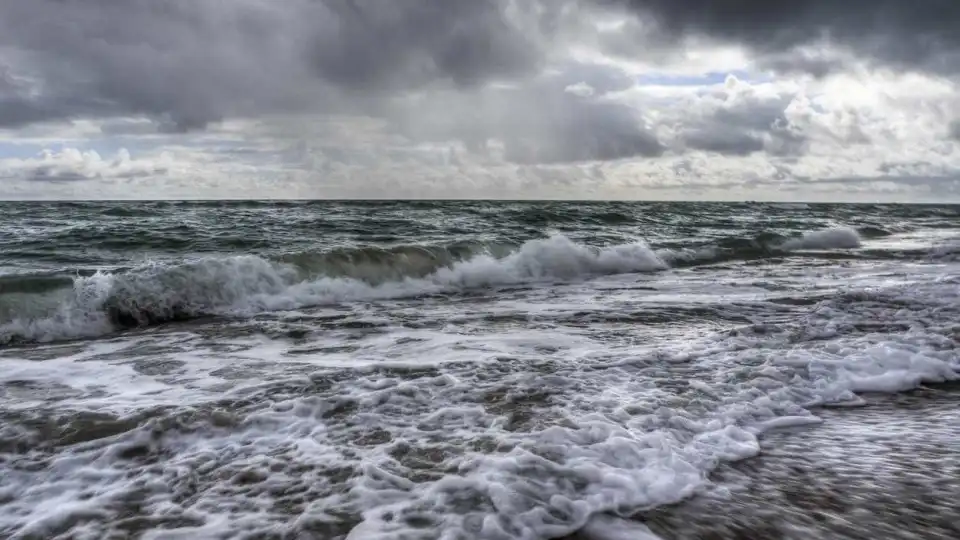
<point>723,142</point>
<point>45,175</point>
<point>190,62</point>
<point>186,63</point>
<point>747,126</point>
<point>196,61</point>
<point>923,34</point>
<point>953,131</point>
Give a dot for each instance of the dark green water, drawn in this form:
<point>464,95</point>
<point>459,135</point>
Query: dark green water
<point>88,236</point>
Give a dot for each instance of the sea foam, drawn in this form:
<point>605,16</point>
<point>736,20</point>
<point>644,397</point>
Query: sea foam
<point>501,445</point>
<point>248,284</point>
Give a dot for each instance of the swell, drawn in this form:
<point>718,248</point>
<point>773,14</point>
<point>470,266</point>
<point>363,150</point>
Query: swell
<point>245,285</point>
<point>382,264</point>
<point>560,214</point>
<point>33,283</point>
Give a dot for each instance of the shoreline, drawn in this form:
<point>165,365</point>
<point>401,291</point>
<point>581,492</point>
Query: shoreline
<point>886,470</point>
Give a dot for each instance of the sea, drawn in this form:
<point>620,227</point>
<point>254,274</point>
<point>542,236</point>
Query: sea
<point>479,370</point>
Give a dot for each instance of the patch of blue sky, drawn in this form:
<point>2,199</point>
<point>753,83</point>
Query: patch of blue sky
<point>109,145</point>
<point>17,150</point>
<point>705,79</point>
<point>105,147</point>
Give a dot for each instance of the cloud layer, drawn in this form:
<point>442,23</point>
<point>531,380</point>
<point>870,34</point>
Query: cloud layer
<point>914,35</point>
<point>502,86</point>
<point>195,61</point>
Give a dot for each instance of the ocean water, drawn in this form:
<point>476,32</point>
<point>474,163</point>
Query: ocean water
<point>489,370</point>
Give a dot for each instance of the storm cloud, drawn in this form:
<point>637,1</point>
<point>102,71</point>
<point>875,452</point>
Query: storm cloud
<point>747,125</point>
<point>187,63</point>
<point>475,71</point>
<point>916,35</point>
<point>196,61</point>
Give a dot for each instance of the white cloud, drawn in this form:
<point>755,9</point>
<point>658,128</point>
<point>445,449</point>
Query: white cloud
<point>72,164</point>
<point>168,173</point>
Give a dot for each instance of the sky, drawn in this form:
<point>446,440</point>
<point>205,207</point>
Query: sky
<point>818,100</point>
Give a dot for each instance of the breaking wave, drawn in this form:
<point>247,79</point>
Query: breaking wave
<point>246,285</point>
<point>839,238</point>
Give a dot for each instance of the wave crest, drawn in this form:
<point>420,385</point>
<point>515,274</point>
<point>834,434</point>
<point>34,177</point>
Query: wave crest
<point>838,238</point>
<point>245,285</point>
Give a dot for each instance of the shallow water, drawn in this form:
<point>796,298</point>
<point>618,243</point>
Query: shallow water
<point>471,370</point>
<point>886,470</point>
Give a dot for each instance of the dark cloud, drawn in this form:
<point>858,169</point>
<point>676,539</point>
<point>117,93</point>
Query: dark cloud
<point>953,131</point>
<point>55,174</point>
<point>377,43</point>
<point>48,174</point>
<point>43,174</point>
<point>921,34</point>
<point>22,109</point>
<point>189,62</point>
<point>506,63</point>
<point>581,131</point>
<point>798,61</point>
<point>744,124</point>
<point>723,142</point>
<point>551,125</point>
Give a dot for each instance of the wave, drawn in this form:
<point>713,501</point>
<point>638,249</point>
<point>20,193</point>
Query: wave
<point>872,231</point>
<point>838,238</point>
<point>379,265</point>
<point>539,216</point>
<point>246,285</point>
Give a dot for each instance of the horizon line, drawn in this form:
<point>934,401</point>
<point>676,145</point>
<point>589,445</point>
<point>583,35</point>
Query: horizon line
<point>503,200</point>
